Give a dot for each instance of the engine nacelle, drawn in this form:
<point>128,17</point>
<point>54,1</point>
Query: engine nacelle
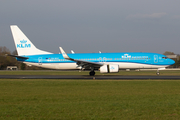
<point>109,68</point>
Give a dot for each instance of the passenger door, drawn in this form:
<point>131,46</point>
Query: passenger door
<point>155,58</point>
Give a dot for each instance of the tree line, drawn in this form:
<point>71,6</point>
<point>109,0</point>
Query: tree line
<point>11,61</point>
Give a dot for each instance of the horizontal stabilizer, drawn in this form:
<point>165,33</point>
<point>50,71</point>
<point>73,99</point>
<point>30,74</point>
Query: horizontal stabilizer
<point>17,56</point>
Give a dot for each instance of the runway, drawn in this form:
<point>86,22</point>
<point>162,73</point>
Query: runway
<point>112,77</point>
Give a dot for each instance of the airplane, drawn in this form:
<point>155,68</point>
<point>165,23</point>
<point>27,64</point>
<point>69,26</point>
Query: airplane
<point>104,62</point>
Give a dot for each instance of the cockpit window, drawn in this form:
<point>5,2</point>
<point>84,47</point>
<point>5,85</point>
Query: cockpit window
<point>164,57</point>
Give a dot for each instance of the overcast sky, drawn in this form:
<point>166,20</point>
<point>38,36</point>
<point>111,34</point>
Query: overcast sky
<point>94,25</point>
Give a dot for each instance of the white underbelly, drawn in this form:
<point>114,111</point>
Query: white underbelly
<point>126,65</point>
<point>62,66</point>
<point>69,66</point>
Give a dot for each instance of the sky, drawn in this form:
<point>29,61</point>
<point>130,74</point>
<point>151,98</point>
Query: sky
<point>90,26</point>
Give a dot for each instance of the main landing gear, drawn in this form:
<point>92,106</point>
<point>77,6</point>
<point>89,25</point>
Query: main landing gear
<point>92,73</point>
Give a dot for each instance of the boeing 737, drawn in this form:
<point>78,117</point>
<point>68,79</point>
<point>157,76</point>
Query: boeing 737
<point>104,62</point>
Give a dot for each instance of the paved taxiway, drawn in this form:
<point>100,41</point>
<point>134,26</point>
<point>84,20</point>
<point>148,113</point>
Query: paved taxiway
<point>87,77</point>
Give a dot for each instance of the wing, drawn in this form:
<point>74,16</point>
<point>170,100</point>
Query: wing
<point>81,63</point>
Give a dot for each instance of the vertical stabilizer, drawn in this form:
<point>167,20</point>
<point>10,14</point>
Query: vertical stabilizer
<point>23,44</point>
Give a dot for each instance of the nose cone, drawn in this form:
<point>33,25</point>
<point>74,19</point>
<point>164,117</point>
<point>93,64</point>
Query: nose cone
<point>171,62</point>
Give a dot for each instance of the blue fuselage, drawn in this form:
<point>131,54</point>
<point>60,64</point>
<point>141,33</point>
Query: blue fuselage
<point>130,59</point>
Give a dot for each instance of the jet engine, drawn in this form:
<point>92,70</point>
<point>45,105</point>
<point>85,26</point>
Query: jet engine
<point>109,68</point>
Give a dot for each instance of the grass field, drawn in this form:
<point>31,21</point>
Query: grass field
<point>55,72</point>
<point>89,99</point>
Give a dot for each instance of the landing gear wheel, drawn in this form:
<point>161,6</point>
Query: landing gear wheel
<point>157,73</point>
<point>92,73</point>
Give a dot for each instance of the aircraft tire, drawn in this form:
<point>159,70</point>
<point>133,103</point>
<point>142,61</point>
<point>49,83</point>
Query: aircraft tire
<point>92,73</point>
<point>157,73</point>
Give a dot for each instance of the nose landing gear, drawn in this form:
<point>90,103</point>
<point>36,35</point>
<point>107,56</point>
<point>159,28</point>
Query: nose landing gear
<point>158,73</point>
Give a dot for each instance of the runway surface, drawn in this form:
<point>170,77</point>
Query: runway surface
<point>115,77</point>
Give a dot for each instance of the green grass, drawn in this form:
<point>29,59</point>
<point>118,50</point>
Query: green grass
<point>89,99</point>
<point>55,72</point>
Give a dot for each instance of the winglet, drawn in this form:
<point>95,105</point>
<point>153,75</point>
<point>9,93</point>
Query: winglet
<point>64,53</point>
<point>72,52</point>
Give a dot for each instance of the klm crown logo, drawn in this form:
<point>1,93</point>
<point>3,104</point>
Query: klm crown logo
<point>23,44</point>
<point>23,41</point>
<point>126,56</point>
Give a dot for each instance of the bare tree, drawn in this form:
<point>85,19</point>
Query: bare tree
<point>168,53</point>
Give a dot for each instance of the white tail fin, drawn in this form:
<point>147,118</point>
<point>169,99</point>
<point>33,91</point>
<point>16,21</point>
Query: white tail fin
<point>23,44</point>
